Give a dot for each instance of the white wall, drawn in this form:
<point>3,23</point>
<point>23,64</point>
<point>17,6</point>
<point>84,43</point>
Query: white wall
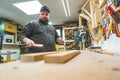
<point>112,44</point>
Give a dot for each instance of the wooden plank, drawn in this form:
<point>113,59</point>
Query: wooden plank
<point>80,26</point>
<point>92,14</point>
<point>38,45</point>
<point>61,57</point>
<point>97,19</point>
<point>80,21</point>
<point>34,56</point>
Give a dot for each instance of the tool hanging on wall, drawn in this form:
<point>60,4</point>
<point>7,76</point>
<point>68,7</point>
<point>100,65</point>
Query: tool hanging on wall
<point>117,3</point>
<point>104,33</point>
<point>117,29</point>
<point>114,13</point>
<point>111,8</point>
<point>103,17</point>
<point>109,29</point>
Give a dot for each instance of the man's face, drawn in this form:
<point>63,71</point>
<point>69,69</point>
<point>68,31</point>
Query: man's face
<point>44,15</point>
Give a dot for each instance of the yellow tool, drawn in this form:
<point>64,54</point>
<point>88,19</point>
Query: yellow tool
<point>109,29</point>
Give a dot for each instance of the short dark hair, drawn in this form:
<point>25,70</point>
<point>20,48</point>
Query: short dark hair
<point>44,8</point>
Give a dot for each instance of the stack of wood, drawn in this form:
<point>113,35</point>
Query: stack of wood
<point>69,29</point>
<point>72,45</point>
<point>69,34</point>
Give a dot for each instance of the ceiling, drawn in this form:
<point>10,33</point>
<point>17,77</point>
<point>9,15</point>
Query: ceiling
<point>57,14</point>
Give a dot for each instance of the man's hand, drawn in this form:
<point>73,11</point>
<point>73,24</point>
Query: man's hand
<point>28,42</point>
<point>59,41</point>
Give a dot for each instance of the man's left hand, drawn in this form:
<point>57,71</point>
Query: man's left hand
<point>60,41</point>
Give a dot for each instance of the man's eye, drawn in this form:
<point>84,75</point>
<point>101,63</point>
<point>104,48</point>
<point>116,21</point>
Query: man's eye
<point>44,14</point>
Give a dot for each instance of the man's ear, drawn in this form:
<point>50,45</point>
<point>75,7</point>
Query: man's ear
<point>38,14</point>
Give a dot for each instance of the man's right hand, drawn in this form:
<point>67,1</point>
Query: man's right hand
<point>28,42</point>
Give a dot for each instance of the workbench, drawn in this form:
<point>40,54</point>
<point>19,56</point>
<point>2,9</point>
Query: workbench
<point>85,66</point>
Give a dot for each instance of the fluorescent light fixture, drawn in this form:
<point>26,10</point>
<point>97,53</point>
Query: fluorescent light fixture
<point>50,23</point>
<point>66,7</point>
<point>29,7</point>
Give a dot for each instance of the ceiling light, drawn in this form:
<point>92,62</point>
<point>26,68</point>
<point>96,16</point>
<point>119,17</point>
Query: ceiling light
<point>66,7</point>
<point>29,7</point>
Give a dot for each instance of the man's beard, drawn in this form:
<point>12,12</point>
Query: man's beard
<point>44,19</point>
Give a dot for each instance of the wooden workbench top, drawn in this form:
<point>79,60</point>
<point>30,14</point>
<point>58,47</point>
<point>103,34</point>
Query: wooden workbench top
<point>85,66</point>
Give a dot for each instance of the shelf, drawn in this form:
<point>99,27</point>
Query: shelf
<point>8,53</point>
<point>69,40</point>
<point>13,44</point>
<point>70,27</point>
<point>69,43</point>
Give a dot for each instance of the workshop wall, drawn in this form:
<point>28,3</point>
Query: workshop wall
<point>112,44</point>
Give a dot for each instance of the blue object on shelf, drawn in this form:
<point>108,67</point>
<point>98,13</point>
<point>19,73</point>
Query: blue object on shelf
<point>2,28</point>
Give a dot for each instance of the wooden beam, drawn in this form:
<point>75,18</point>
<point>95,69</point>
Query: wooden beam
<point>103,3</point>
<point>85,17</point>
<point>34,56</point>
<point>96,1</point>
<point>92,15</point>
<point>86,3</point>
<point>61,57</point>
<point>87,12</point>
<point>80,22</point>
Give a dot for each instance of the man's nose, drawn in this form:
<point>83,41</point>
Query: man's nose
<point>44,15</point>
